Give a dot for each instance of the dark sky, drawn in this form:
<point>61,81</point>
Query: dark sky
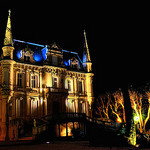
<point>118,36</point>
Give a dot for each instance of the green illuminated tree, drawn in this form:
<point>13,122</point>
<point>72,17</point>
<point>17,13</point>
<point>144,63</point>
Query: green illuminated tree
<point>141,105</point>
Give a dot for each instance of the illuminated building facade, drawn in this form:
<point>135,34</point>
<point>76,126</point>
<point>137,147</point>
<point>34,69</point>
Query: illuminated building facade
<point>36,80</point>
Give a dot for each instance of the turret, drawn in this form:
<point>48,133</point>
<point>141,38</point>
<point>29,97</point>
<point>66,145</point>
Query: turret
<point>8,47</point>
<point>87,64</point>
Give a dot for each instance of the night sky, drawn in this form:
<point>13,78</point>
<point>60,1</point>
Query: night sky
<point>118,37</point>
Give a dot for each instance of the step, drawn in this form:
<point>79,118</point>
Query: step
<point>30,138</point>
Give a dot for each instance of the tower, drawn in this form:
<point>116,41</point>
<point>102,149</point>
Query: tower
<point>87,64</point>
<point>6,68</point>
<point>8,41</point>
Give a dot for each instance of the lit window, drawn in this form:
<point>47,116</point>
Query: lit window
<point>81,107</point>
<point>34,107</point>
<point>55,82</point>
<point>69,85</point>
<point>34,81</point>
<point>19,80</point>
<point>70,106</point>
<point>19,107</point>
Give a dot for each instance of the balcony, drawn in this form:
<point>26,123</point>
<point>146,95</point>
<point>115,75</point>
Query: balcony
<point>79,94</point>
<point>58,90</point>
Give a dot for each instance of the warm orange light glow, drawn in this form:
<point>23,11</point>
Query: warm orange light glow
<point>63,132</point>
<point>119,120</point>
<point>69,132</point>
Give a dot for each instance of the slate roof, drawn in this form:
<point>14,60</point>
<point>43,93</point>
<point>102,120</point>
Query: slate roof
<point>37,48</point>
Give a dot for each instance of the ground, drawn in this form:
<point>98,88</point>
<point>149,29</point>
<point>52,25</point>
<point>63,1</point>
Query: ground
<point>79,145</point>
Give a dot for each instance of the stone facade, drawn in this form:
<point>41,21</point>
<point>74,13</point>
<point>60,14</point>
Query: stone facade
<point>37,80</point>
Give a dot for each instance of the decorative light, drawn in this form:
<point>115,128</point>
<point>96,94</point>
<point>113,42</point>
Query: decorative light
<point>44,51</point>
<point>19,54</point>
<point>119,120</point>
<point>66,63</point>
<point>37,56</point>
<point>136,118</point>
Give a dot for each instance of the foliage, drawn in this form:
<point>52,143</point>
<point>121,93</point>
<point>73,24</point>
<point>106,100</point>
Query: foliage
<point>111,106</point>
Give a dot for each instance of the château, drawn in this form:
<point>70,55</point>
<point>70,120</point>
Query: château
<point>37,80</point>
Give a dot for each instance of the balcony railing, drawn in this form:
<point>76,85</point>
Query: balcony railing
<point>57,90</point>
<point>83,94</point>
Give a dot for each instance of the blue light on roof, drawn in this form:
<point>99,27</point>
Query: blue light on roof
<point>66,63</point>
<point>37,56</point>
<point>69,52</point>
<point>19,54</point>
<point>28,43</point>
<point>69,62</point>
<point>44,51</point>
<point>84,58</point>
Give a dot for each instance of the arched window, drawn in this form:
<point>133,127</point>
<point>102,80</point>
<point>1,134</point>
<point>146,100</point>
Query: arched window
<point>19,107</point>
<point>34,107</point>
<point>81,107</point>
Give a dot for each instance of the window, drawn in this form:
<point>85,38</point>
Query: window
<point>27,58</point>
<point>80,86</point>
<point>54,60</point>
<point>81,107</point>
<point>19,107</point>
<point>19,80</point>
<point>34,81</point>
<point>75,66</point>
<point>34,108</point>
<point>70,106</point>
<point>55,82</point>
<point>6,77</point>
<point>69,85</point>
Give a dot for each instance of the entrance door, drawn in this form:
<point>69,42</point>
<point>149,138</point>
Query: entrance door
<point>56,107</point>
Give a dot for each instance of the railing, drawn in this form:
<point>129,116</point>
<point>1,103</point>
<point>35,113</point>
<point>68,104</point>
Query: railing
<point>57,90</point>
<point>73,117</point>
<point>108,123</point>
<point>39,128</point>
<point>83,94</point>
<point>64,116</point>
<point>81,117</point>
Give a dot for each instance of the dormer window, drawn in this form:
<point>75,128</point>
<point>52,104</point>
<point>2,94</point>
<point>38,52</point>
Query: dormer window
<point>28,55</point>
<point>55,80</point>
<point>74,63</point>
<point>26,58</point>
<point>75,66</point>
<point>54,60</point>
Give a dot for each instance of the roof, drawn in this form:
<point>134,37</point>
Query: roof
<point>38,51</point>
